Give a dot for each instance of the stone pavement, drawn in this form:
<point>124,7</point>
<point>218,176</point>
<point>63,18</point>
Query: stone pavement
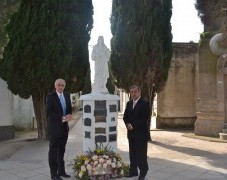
<point>171,156</point>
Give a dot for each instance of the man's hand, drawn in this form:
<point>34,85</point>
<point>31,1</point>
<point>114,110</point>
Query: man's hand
<point>129,127</point>
<point>67,118</point>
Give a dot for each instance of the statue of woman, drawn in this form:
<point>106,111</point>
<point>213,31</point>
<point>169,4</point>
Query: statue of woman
<point>100,54</point>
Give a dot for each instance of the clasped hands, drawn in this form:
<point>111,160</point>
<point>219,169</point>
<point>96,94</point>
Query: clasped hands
<point>129,127</point>
<point>67,118</point>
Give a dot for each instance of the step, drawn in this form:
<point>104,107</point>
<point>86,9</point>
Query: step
<point>224,131</point>
<point>223,136</point>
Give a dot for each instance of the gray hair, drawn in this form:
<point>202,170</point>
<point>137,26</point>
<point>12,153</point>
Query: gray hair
<point>59,80</point>
<point>135,87</point>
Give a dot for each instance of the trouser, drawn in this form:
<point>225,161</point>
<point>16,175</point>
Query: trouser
<point>56,155</point>
<point>138,156</point>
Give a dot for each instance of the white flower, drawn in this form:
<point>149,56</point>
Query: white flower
<point>119,164</point>
<point>104,165</point>
<point>113,165</point>
<point>90,172</point>
<point>114,160</point>
<point>106,156</point>
<point>89,167</point>
<point>122,172</point>
<point>96,162</point>
<point>99,165</point>
<point>108,162</point>
<point>81,174</point>
<point>95,157</point>
<point>82,168</point>
<point>101,160</point>
<point>86,162</point>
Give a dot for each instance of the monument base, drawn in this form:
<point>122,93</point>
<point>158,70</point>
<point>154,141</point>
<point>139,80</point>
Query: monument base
<point>100,113</point>
<point>209,124</point>
<point>7,132</point>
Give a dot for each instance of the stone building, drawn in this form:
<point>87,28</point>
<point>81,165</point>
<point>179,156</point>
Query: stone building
<point>176,104</point>
<point>195,93</point>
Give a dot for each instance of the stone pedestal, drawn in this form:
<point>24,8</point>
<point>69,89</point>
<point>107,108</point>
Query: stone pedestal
<point>209,124</point>
<point>212,96</point>
<point>99,120</point>
<point>7,130</point>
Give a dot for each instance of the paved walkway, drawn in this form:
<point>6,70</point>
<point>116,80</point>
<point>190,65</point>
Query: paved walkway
<point>171,156</point>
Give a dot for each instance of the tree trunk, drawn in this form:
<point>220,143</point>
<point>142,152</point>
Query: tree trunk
<point>39,105</point>
<point>149,93</point>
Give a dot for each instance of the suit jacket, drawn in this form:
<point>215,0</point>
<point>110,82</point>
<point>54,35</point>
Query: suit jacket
<point>138,117</point>
<point>56,127</point>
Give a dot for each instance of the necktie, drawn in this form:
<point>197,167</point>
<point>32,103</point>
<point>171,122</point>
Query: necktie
<point>62,100</point>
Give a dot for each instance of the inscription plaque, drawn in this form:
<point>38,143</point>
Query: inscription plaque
<point>87,108</point>
<point>100,119</point>
<point>112,137</point>
<point>100,112</point>
<point>100,130</point>
<point>100,138</point>
<point>100,108</point>
<point>87,122</point>
<point>113,108</point>
<point>112,128</point>
<point>100,104</point>
<point>87,134</point>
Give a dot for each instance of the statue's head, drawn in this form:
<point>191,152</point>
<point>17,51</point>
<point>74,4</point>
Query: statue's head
<point>100,40</point>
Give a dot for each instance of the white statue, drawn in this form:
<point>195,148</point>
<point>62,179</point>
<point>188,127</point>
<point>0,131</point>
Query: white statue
<point>100,54</point>
<point>218,44</point>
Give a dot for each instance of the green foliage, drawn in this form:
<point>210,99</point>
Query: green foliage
<point>211,13</point>
<point>7,8</point>
<point>141,44</point>
<point>87,85</point>
<point>110,84</point>
<point>48,40</point>
<point>200,7</point>
<point>205,35</point>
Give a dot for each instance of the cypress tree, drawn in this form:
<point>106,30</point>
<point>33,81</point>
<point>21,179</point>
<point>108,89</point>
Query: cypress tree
<point>141,46</point>
<point>110,84</point>
<point>211,13</point>
<point>6,9</point>
<point>87,84</point>
<point>48,39</point>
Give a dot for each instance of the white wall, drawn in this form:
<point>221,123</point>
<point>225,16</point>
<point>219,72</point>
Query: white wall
<point>23,113</point>
<point>6,118</point>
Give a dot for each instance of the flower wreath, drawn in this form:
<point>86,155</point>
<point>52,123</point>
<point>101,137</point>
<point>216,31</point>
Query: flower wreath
<point>102,163</point>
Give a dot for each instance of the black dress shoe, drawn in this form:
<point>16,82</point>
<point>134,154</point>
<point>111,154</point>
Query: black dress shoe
<point>64,175</point>
<point>141,178</point>
<point>56,178</point>
<point>131,175</point>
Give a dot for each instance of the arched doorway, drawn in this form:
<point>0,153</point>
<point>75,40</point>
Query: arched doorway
<point>225,91</point>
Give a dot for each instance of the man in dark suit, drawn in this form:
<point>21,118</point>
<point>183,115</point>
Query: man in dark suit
<point>59,111</point>
<point>136,117</point>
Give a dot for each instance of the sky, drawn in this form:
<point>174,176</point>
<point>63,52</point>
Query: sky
<point>186,25</point>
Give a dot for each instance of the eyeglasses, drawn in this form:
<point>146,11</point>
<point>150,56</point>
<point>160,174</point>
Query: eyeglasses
<point>62,85</point>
